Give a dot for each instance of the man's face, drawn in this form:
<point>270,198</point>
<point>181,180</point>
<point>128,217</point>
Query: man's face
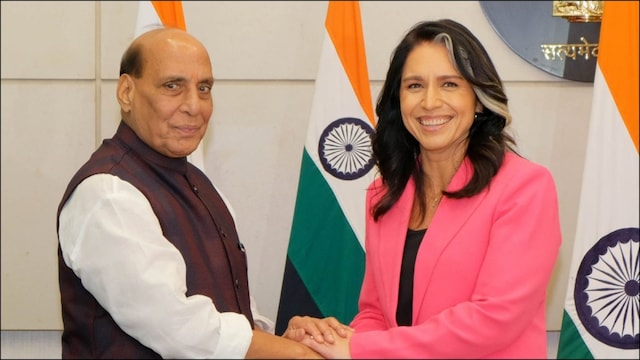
<point>171,104</point>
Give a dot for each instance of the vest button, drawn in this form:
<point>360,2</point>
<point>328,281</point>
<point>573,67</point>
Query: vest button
<point>237,283</point>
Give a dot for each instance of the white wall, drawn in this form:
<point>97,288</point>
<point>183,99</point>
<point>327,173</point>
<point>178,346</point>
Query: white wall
<point>59,65</point>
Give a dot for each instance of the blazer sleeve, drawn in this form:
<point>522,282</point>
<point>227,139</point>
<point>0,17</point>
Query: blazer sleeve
<point>509,294</point>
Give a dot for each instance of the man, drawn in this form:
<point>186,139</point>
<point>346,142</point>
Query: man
<point>150,264</point>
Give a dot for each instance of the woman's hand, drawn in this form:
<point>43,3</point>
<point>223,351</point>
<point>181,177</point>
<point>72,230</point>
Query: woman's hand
<point>318,330</point>
<point>339,349</point>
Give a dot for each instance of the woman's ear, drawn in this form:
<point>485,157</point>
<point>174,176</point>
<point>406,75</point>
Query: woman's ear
<point>124,92</point>
<point>479,107</point>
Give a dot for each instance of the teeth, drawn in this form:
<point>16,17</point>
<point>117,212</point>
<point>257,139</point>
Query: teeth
<point>432,122</point>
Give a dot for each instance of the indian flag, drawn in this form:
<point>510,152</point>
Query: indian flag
<point>601,318</point>
<point>154,14</point>
<point>325,258</point>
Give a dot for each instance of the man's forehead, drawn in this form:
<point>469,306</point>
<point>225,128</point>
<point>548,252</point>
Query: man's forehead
<point>167,36</point>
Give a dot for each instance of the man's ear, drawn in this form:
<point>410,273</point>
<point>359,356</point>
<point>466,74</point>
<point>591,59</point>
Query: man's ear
<point>124,92</point>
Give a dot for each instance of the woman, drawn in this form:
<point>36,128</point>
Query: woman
<point>462,233</point>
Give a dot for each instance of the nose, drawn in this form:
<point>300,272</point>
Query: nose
<point>191,102</point>
<point>431,98</point>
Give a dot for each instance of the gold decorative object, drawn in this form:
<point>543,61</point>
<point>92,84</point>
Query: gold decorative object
<point>579,11</point>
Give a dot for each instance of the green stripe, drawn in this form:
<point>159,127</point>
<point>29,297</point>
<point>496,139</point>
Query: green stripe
<point>323,247</point>
<point>571,345</point>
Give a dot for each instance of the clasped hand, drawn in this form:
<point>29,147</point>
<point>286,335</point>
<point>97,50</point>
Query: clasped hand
<point>326,336</point>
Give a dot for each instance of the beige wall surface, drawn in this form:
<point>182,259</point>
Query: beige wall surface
<point>59,65</point>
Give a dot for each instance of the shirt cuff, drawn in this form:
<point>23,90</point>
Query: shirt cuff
<point>235,336</point>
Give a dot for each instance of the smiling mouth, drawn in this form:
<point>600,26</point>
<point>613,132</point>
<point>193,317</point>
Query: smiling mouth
<point>188,130</point>
<point>434,121</point>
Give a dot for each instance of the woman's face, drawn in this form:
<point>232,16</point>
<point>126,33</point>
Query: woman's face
<point>436,102</point>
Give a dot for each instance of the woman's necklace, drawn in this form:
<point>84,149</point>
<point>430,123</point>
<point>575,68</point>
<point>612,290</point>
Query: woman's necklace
<point>432,200</point>
<point>436,201</point>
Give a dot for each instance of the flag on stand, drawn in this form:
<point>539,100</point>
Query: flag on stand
<point>325,257</point>
<point>601,318</point>
<point>153,14</point>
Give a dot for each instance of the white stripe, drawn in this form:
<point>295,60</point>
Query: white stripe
<point>334,98</point>
<point>610,179</point>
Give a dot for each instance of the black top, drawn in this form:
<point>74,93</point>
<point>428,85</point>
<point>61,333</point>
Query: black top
<point>404,312</point>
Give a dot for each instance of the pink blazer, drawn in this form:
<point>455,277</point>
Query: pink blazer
<point>481,272</point>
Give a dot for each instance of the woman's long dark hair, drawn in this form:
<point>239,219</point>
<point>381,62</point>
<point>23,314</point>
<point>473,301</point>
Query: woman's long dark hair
<point>395,150</point>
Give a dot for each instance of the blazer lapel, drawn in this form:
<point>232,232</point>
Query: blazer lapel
<point>446,223</point>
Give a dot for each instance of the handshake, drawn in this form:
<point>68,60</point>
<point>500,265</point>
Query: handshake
<point>327,336</point>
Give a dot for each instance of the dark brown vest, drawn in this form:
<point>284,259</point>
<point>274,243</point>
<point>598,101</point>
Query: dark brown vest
<point>193,218</point>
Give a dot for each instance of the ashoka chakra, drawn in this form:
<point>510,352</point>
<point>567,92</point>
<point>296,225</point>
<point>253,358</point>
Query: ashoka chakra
<point>607,289</point>
<point>345,148</point>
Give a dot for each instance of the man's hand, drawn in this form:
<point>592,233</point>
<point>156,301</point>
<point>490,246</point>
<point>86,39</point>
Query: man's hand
<point>268,346</point>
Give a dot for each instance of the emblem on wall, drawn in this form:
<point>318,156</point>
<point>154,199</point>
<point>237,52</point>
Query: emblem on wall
<point>558,37</point>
